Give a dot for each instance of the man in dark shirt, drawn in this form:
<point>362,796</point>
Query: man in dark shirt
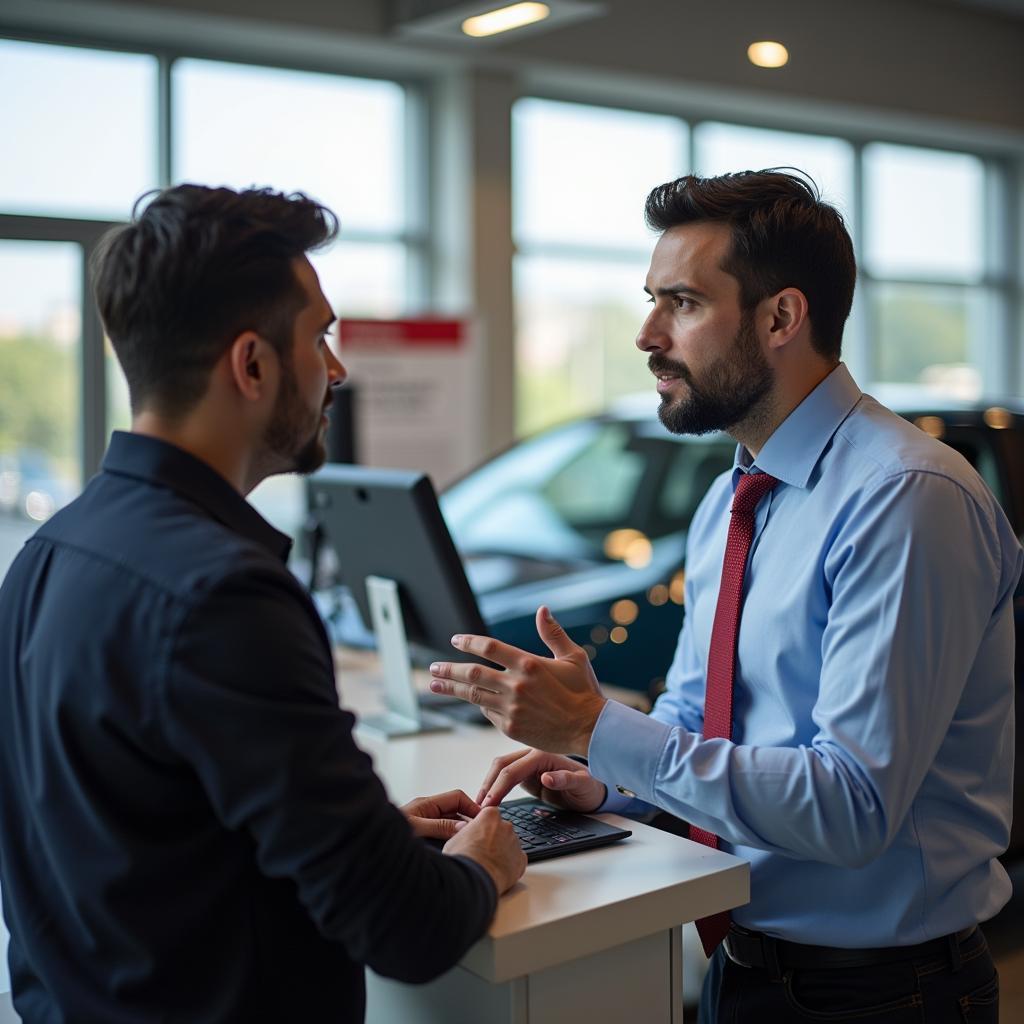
<point>187,829</point>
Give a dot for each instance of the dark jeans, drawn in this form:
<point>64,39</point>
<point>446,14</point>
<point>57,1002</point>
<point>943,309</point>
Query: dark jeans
<point>928,990</point>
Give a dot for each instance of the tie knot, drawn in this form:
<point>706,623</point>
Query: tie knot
<point>752,487</point>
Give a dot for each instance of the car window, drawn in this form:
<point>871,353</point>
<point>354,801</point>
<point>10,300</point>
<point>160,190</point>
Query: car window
<point>691,472</point>
<point>597,485</point>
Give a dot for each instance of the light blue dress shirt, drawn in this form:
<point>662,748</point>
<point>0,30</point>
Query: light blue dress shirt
<point>869,775</point>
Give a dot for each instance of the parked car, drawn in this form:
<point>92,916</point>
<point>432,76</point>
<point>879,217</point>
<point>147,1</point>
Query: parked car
<point>31,486</point>
<point>590,517</point>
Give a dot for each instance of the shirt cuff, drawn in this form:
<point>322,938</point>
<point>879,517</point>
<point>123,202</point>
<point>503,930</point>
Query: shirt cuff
<point>625,749</point>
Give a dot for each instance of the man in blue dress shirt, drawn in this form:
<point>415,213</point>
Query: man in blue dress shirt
<point>188,831</point>
<point>867,777</point>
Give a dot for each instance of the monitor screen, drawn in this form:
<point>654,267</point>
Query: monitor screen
<point>387,523</point>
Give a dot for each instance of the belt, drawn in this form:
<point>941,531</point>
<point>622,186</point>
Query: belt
<point>755,949</point>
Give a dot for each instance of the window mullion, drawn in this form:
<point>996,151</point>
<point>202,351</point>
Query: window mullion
<point>164,122</point>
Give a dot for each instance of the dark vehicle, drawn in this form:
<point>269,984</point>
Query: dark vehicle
<point>591,517</point>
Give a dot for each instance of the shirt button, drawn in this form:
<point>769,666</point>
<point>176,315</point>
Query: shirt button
<point>626,792</point>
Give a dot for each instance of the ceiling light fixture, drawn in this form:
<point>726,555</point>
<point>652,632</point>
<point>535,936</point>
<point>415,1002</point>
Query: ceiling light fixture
<point>504,19</point>
<point>479,23</point>
<point>766,54</point>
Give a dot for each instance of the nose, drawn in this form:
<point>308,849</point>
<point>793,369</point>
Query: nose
<point>336,373</point>
<point>651,337</point>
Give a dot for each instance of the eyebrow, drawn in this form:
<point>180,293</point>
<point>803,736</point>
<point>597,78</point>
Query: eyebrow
<point>677,289</point>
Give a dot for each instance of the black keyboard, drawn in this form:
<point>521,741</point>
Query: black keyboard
<point>544,830</point>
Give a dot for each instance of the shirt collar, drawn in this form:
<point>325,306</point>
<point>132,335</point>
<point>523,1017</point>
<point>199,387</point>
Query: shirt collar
<point>155,461</point>
<point>793,450</point>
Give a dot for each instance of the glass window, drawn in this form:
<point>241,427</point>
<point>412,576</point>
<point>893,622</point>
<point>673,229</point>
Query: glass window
<point>924,336</point>
<point>580,178</point>
<point>82,124</point>
<point>337,139</point>
<point>721,148</point>
<point>925,213</point>
<point>40,381</point>
<point>364,279</point>
<point>581,174</point>
<point>576,323</point>
<point>119,413</point>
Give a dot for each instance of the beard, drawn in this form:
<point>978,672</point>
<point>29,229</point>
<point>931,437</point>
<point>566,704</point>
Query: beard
<point>291,438</point>
<point>730,390</point>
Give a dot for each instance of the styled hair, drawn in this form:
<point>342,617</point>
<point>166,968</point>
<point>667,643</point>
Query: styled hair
<point>783,236</point>
<point>193,269</point>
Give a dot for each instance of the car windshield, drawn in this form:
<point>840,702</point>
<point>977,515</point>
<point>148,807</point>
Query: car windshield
<point>558,496</point>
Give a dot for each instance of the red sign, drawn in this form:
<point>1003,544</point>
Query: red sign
<point>378,334</point>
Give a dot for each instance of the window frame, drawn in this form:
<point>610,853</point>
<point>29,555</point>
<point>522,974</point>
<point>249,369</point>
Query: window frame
<point>1000,286</point>
<point>416,236</point>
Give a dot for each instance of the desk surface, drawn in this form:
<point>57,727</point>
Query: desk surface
<point>566,907</point>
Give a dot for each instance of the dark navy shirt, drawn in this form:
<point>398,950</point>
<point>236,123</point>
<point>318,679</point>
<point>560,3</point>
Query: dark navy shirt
<point>187,830</point>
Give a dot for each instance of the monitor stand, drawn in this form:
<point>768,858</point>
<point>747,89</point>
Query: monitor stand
<point>404,716</point>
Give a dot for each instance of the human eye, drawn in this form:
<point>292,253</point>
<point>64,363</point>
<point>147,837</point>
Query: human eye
<point>683,302</point>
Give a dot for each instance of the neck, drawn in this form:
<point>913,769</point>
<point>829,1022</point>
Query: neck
<point>218,448</point>
<point>768,415</point>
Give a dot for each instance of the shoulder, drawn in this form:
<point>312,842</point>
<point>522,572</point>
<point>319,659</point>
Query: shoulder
<point>160,538</point>
<point>875,449</point>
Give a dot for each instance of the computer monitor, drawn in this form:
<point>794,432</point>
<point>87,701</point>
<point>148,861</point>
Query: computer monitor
<point>398,559</point>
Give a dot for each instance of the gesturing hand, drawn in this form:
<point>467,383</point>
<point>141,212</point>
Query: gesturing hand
<point>555,779</point>
<point>550,703</point>
<point>437,817</point>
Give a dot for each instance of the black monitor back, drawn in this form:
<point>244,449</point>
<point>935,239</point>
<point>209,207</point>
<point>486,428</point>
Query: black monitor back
<point>387,522</point>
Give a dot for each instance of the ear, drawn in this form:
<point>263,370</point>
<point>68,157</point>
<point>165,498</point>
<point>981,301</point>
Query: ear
<point>786,313</point>
<point>250,360</point>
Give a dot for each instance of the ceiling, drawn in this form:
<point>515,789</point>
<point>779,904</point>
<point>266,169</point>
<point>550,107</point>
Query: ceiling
<point>1013,8</point>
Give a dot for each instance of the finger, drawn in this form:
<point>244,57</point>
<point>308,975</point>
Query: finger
<point>562,780</point>
<point>496,766</point>
<point>556,638</point>
<point>471,673</point>
<point>452,803</point>
<point>490,649</point>
<point>437,828</point>
<point>471,692</point>
<point>508,778</point>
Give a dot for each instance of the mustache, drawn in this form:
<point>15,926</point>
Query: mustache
<point>658,363</point>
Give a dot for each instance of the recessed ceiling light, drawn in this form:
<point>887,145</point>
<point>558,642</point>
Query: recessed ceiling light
<point>504,19</point>
<point>767,54</point>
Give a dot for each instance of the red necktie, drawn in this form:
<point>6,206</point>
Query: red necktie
<point>752,487</point>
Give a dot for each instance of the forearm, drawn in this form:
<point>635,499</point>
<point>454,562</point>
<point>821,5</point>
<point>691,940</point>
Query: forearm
<point>442,906</point>
<point>805,802</point>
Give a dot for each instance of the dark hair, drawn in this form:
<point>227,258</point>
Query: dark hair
<point>194,269</point>
<point>783,236</point>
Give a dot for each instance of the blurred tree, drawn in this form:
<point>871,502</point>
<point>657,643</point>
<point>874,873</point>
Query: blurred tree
<point>38,396</point>
<point>918,328</point>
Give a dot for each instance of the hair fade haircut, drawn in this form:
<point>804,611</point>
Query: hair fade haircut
<point>783,236</point>
<point>193,269</point>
